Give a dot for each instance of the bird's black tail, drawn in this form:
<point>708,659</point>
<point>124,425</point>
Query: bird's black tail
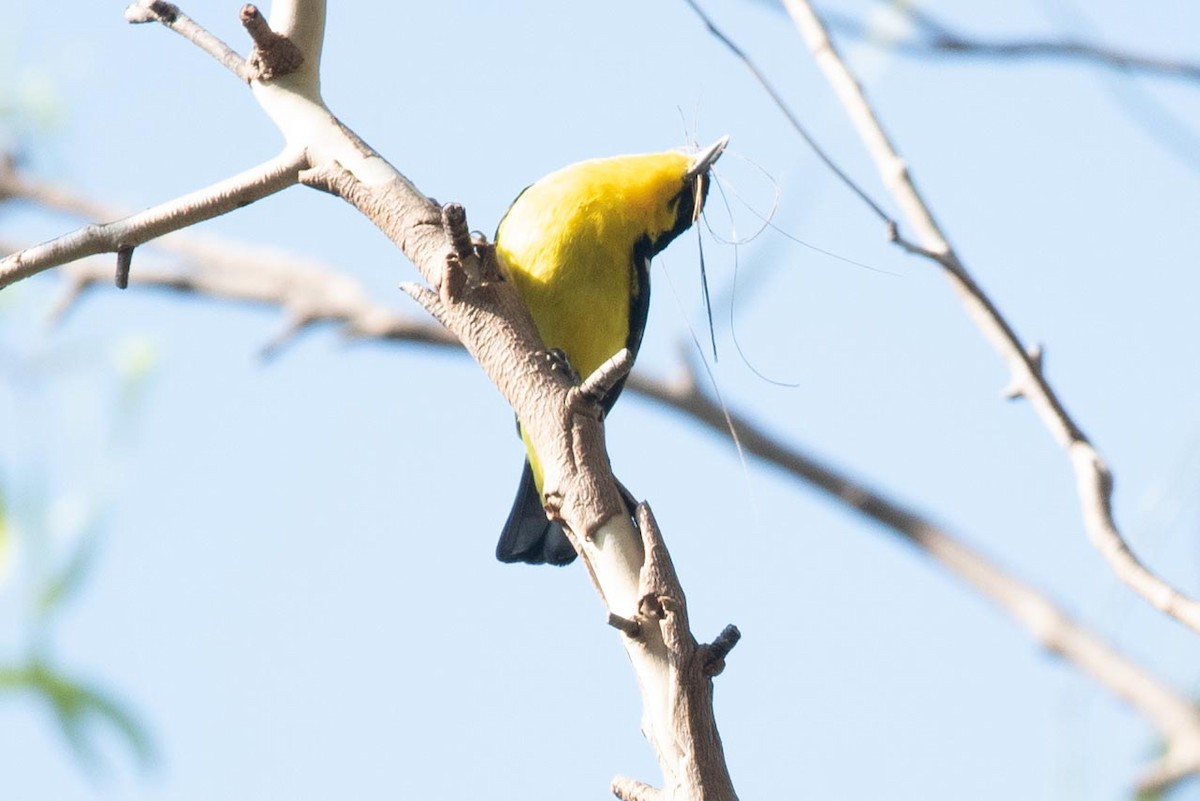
<point>529,536</point>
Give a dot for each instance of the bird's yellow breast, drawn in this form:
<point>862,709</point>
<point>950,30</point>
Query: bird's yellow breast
<point>577,246</point>
<point>568,243</point>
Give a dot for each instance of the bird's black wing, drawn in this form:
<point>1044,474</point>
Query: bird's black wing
<point>639,310</point>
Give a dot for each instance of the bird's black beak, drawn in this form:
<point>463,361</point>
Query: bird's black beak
<point>703,161</point>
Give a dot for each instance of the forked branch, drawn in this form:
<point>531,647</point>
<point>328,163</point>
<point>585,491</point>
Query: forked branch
<point>486,315</point>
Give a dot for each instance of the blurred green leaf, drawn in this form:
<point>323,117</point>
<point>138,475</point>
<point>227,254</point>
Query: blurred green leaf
<point>12,678</point>
<point>79,707</point>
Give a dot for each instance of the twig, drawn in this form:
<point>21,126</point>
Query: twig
<point>220,198</point>
<point>627,626</point>
<point>1093,480</point>
<point>169,14</point>
<point>124,263</point>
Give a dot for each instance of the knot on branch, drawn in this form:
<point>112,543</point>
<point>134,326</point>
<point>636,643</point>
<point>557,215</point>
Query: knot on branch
<point>714,653</point>
<point>654,607</point>
<point>274,55</point>
<point>1017,387</point>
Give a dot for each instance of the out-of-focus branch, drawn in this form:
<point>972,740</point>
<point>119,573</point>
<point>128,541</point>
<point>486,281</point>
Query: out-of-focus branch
<point>306,295</point>
<point>1093,480</point>
<point>933,38</point>
<point>20,188</point>
<point>126,234</point>
<point>235,271</point>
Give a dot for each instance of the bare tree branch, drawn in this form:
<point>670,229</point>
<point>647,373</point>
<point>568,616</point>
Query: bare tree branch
<point>1093,479</point>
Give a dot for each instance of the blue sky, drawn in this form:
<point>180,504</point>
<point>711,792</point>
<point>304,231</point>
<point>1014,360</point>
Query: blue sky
<point>294,586</point>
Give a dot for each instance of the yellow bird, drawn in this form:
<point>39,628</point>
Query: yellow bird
<point>577,246</point>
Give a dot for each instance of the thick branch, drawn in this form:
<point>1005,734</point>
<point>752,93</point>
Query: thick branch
<point>685,688</point>
<point>1093,479</point>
